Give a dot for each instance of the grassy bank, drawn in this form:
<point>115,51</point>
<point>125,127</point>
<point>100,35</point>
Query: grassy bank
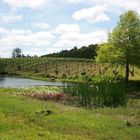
<point>26,118</point>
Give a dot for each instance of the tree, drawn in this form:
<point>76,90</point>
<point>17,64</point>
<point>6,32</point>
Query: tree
<point>16,53</point>
<point>123,45</point>
<point>2,66</point>
<point>83,52</point>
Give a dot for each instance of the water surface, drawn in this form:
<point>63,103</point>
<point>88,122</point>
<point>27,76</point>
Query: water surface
<point>16,82</point>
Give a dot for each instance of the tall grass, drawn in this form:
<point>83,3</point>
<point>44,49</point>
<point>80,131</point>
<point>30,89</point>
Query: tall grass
<point>110,94</point>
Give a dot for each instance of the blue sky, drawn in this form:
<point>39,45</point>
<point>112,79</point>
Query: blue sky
<point>45,26</point>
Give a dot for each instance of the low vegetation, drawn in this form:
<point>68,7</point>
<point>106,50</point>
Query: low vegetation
<point>98,95</point>
<point>27,118</point>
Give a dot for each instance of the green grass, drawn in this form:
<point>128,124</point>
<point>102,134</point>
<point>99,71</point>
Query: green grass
<point>21,119</point>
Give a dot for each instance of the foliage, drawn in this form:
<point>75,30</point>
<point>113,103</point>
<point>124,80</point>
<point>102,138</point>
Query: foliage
<point>83,52</point>
<point>107,53</point>
<point>90,95</point>
<point>2,66</point>
<point>64,76</point>
<point>126,38</point>
<point>123,45</point>
<point>16,53</point>
<point>99,78</point>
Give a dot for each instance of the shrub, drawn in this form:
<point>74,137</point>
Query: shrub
<point>97,95</point>
<point>112,94</point>
<point>47,75</point>
<point>76,76</point>
<point>64,76</point>
<point>56,72</point>
<point>83,73</point>
<point>106,79</point>
<point>87,78</point>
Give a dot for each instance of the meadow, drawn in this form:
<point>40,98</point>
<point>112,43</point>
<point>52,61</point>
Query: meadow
<point>24,117</point>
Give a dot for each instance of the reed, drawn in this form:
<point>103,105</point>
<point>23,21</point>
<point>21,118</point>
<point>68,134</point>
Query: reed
<point>89,95</point>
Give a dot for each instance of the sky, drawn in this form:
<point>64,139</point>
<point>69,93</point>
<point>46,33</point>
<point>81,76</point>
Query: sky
<point>41,27</point>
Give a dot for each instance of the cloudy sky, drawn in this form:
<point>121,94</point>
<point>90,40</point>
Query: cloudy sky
<point>45,26</point>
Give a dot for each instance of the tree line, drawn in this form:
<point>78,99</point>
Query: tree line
<point>17,53</point>
<point>88,52</point>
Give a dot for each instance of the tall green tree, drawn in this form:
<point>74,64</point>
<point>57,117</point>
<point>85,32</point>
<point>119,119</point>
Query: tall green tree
<point>123,43</point>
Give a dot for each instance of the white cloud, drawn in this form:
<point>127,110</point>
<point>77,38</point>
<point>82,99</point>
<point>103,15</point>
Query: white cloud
<point>69,40</point>
<point>43,26</point>
<point>24,39</point>
<point>40,43</point>
<point>94,14</point>
<point>126,5</point>
<point>26,3</point>
<point>3,31</point>
<point>36,51</point>
<point>113,5</point>
<point>11,18</point>
<point>66,28</point>
<point>75,1</point>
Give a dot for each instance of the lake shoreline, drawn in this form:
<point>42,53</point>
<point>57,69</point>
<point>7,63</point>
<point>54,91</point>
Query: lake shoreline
<point>42,78</point>
<point>14,81</point>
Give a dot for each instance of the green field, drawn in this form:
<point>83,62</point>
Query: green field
<point>60,68</point>
<point>47,65</point>
<point>24,118</point>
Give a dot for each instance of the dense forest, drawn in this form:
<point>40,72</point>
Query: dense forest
<point>88,52</point>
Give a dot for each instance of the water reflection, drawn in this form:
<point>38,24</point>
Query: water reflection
<point>15,82</point>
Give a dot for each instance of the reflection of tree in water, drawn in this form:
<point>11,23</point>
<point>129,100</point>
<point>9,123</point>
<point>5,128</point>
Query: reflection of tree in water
<point>2,67</point>
<point>2,78</point>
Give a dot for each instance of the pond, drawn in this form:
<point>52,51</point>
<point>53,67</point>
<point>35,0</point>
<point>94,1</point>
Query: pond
<point>16,82</point>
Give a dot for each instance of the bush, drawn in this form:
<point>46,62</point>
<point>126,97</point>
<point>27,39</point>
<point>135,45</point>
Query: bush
<point>87,78</point>
<point>97,95</point>
<point>64,76</point>
<point>56,72</point>
<point>47,76</point>
<point>76,77</point>
<point>112,94</point>
<point>106,79</point>
<point>83,73</point>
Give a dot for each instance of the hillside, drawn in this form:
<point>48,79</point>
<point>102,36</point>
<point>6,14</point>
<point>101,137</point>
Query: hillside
<point>61,68</point>
<point>88,52</point>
